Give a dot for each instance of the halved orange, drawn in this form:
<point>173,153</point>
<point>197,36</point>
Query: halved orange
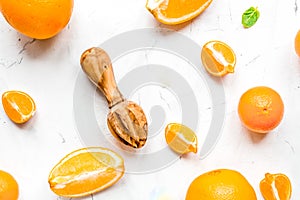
<point>276,187</point>
<point>181,138</point>
<point>218,58</point>
<point>86,171</point>
<point>18,106</point>
<point>176,11</point>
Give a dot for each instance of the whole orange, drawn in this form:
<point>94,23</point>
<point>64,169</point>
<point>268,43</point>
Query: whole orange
<point>261,109</point>
<point>40,19</point>
<point>9,189</point>
<point>297,43</point>
<point>221,184</point>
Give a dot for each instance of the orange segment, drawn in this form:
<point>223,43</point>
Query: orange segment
<point>261,109</point>
<point>218,58</point>
<point>86,171</point>
<point>9,189</point>
<point>18,106</point>
<point>180,138</point>
<point>176,11</point>
<point>276,187</point>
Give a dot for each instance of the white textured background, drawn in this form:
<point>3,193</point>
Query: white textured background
<point>47,71</point>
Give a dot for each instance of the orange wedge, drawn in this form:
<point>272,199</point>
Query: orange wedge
<point>180,138</point>
<point>218,58</point>
<point>18,106</point>
<point>276,187</point>
<point>86,171</point>
<point>176,11</point>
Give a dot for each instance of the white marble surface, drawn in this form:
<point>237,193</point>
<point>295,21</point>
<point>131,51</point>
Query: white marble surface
<point>47,70</point>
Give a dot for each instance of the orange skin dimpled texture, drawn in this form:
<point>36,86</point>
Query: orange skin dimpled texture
<point>261,109</point>
<point>39,19</point>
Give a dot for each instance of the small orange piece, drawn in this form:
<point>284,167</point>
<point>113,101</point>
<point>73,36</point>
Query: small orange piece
<point>218,58</point>
<point>221,184</point>
<point>176,11</point>
<point>276,187</point>
<point>86,171</point>
<point>40,19</point>
<point>9,189</point>
<point>180,138</point>
<point>261,109</point>
<point>297,43</point>
<point>18,106</point>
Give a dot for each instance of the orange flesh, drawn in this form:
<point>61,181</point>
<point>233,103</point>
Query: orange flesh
<point>218,58</point>
<point>85,172</point>
<point>176,11</point>
<point>211,61</point>
<point>18,106</point>
<point>276,187</point>
<point>180,138</point>
<point>178,8</point>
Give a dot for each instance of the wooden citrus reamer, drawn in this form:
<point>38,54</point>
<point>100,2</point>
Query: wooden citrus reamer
<point>126,120</point>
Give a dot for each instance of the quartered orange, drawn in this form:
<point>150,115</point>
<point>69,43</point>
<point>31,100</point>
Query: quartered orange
<point>18,106</point>
<point>218,58</point>
<point>276,187</point>
<point>181,138</point>
<point>86,171</point>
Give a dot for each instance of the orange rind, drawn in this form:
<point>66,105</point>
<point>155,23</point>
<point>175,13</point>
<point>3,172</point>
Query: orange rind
<point>39,19</point>
<point>9,189</point>
<point>221,184</point>
<point>261,109</point>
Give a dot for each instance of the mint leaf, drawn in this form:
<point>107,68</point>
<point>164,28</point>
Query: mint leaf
<point>249,17</point>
